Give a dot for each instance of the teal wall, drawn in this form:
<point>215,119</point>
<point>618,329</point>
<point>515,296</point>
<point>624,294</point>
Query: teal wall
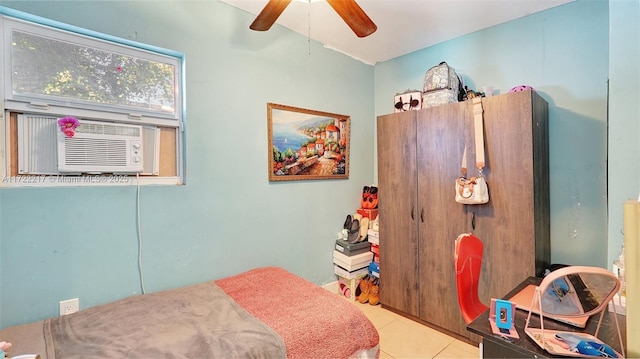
<point>563,54</point>
<point>61,243</point>
<point>624,111</point>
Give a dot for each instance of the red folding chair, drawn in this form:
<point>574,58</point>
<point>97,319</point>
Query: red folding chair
<point>468,261</point>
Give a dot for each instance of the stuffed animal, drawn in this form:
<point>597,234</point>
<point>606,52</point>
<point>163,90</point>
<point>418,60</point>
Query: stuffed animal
<point>4,346</point>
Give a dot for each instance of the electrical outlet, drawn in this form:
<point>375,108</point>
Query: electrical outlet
<point>69,306</point>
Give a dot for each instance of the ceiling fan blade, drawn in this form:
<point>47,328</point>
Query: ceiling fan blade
<point>268,16</point>
<point>354,16</point>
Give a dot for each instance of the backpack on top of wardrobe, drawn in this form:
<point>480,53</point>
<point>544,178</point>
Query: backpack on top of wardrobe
<point>442,85</point>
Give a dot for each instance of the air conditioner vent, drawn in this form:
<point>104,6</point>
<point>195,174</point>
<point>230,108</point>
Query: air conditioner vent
<point>109,129</point>
<point>101,148</point>
<point>99,152</point>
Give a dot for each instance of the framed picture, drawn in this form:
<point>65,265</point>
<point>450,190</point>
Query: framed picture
<point>307,144</point>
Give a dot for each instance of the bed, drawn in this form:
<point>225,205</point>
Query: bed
<point>266,312</point>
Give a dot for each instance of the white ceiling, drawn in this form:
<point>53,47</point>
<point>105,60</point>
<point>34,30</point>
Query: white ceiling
<point>404,26</point>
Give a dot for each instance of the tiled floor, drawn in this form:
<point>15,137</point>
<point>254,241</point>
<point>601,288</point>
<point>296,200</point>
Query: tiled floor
<point>403,338</point>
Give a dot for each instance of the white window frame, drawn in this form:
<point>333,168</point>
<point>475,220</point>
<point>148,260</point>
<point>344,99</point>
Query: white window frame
<point>11,19</point>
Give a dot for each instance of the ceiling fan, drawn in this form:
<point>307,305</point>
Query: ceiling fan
<point>348,10</point>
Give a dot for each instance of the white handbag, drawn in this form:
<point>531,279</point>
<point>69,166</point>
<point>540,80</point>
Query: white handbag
<point>474,190</point>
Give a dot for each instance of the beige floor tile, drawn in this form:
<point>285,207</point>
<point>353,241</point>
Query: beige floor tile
<point>459,350</point>
<point>404,338</point>
<point>378,316</point>
<point>384,355</point>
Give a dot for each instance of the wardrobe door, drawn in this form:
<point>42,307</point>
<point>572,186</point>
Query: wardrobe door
<point>398,212</point>
<point>514,225</point>
<point>441,134</point>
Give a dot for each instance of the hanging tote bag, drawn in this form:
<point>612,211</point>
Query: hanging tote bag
<point>474,190</point>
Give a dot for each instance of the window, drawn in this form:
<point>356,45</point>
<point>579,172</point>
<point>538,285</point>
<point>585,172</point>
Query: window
<point>126,96</point>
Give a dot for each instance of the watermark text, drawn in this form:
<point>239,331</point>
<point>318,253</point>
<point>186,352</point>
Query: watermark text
<point>52,179</point>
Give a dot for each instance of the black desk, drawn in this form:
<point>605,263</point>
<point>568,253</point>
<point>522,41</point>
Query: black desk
<point>495,346</point>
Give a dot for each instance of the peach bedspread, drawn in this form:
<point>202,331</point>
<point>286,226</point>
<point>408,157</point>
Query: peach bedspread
<point>313,322</point>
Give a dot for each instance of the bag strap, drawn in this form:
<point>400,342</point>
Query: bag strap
<point>478,124</point>
<point>463,166</point>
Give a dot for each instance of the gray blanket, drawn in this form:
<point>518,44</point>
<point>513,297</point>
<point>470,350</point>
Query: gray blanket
<point>198,321</point>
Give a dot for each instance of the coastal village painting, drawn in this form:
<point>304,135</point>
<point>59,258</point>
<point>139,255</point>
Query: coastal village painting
<point>307,144</point>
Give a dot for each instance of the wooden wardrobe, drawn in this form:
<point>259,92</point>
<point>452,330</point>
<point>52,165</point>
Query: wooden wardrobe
<point>419,158</point>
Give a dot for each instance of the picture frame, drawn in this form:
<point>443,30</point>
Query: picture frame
<point>307,144</point>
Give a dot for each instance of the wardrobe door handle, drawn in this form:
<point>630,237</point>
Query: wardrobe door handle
<point>422,215</point>
<point>412,216</point>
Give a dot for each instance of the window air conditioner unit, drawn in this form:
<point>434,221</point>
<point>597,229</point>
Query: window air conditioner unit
<point>101,147</point>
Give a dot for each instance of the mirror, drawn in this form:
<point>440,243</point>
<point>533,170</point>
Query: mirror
<point>574,291</point>
<point>578,294</point>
